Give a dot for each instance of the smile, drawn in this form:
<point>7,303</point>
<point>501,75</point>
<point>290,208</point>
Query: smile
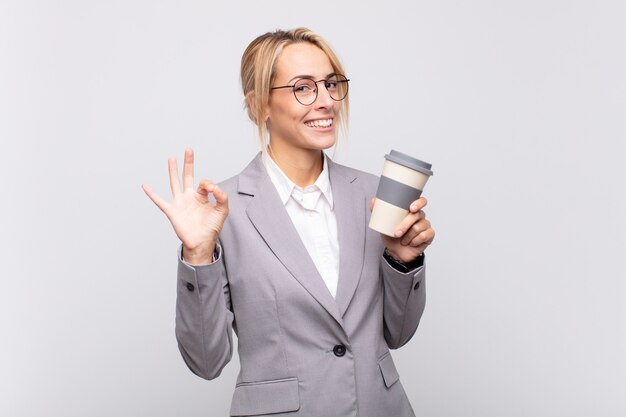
<point>320,123</point>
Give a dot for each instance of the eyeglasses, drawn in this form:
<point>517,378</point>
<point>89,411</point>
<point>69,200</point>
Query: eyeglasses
<point>305,89</point>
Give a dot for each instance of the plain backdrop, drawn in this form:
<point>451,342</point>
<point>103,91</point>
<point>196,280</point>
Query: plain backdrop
<point>519,105</point>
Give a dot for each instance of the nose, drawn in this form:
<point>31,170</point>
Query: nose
<point>323,100</point>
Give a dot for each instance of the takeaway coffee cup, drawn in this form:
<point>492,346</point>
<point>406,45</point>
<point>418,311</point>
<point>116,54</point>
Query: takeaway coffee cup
<point>401,183</point>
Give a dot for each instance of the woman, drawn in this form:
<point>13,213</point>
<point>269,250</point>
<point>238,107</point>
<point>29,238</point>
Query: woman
<point>285,258</point>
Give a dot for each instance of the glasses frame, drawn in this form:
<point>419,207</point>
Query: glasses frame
<point>293,87</point>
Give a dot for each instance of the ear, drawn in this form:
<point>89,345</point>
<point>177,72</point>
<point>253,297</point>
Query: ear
<point>251,106</point>
<point>251,102</point>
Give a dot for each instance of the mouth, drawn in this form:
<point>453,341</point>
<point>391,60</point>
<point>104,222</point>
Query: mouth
<point>320,123</point>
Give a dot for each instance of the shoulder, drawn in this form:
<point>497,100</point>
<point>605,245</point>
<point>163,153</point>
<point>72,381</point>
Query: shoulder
<point>230,184</point>
<point>246,181</point>
<point>362,179</point>
<point>237,201</point>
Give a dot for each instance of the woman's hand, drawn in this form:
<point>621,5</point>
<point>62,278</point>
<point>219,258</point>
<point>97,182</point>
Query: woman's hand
<point>413,234</point>
<point>196,221</point>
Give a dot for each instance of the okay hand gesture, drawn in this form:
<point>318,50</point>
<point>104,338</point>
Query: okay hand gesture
<point>196,221</point>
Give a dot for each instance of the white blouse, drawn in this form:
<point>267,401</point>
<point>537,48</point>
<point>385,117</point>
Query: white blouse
<point>311,211</point>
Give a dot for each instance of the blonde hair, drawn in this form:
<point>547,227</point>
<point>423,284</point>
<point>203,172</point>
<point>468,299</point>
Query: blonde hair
<point>258,70</point>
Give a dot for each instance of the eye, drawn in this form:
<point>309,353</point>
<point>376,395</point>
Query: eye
<point>304,86</point>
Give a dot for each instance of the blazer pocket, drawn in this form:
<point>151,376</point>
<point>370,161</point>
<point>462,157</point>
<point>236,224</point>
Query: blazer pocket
<point>265,397</point>
<point>388,370</point>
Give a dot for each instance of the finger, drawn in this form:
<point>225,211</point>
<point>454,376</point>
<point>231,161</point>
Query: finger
<point>421,248</point>
<point>188,170</point>
<point>221,198</point>
<point>162,204</point>
<point>418,204</point>
<point>173,169</point>
<point>432,234</point>
<point>407,223</point>
<point>417,228</point>
<point>372,201</point>
<point>205,187</point>
<point>425,237</point>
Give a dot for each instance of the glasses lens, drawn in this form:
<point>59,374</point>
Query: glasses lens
<point>337,87</point>
<point>305,91</point>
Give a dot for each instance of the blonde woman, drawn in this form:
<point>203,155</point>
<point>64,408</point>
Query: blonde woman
<point>283,256</point>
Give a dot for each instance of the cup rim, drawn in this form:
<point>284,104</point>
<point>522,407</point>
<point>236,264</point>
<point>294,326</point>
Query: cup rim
<point>409,162</point>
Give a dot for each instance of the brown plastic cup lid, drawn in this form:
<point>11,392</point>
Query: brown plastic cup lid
<point>410,162</point>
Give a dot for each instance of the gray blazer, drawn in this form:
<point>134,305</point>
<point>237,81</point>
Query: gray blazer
<point>302,352</point>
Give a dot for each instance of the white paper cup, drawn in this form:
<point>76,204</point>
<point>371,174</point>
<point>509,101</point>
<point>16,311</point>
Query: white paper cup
<point>401,183</point>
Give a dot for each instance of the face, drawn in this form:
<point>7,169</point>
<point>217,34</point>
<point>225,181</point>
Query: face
<point>293,126</point>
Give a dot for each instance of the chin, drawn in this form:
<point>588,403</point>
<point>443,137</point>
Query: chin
<point>324,142</point>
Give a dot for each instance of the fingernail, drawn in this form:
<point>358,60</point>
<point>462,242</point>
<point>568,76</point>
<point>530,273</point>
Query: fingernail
<point>413,207</point>
<point>398,233</point>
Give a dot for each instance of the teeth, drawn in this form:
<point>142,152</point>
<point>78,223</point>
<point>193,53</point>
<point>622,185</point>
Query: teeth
<point>320,123</point>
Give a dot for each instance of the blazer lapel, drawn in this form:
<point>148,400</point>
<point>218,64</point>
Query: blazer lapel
<point>271,220</point>
<point>349,207</point>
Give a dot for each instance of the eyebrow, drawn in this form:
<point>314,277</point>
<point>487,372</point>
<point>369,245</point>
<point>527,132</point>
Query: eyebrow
<point>310,76</point>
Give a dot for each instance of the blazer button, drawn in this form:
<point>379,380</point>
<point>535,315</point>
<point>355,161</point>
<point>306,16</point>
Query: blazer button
<point>339,350</point>
<point>190,286</point>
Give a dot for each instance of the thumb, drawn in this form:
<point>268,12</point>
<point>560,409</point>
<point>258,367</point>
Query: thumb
<point>372,203</point>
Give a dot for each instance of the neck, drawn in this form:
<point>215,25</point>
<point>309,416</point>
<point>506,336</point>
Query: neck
<point>302,166</point>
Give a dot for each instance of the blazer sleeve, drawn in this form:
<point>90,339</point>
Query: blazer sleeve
<point>403,302</point>
<point>204,317</point>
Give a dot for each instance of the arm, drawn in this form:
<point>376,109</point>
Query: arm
<point>403,272</point>
<point>204,319</point>
<point>403,302</point>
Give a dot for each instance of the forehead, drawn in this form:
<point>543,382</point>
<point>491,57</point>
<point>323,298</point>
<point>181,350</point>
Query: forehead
<point>302,59</point>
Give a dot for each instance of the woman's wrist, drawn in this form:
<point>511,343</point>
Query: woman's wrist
<point>202,255</point>
<point>403,266</point>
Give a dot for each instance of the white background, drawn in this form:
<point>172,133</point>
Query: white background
<point>519,105</point>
